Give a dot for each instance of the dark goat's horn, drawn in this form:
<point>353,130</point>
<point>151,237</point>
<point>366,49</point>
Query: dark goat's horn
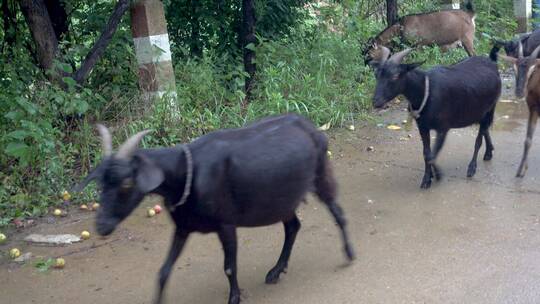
<point>106,139</point>
<point>520,50</point>
<point>535,52</point>
<point>127,149</point>
<point>385,53</point>
<point>398,57</point>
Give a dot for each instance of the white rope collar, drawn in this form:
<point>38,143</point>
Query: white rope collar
<point>416,113</point>
<point>189,179</point>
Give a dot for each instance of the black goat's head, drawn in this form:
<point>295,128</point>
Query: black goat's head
<point>391,76</point>
<point>125,178</point>
<point>523,68</point>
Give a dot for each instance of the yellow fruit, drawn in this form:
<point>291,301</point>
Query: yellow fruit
<point>66,196</point>
<point>2,238</point>
<point>57,212</point>
<point>85,235</point>
<point>84,207</point>
<point>151,212</point>
<point>95,206</point>
<point>393,127</point>
<point>351,127</point>
<point>14,253</point>
<point>59,263</point>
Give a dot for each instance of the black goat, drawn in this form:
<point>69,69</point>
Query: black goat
<point>522,46</point>
<point>527,84</point>
<point>441,99</point>
<point>252,176</point>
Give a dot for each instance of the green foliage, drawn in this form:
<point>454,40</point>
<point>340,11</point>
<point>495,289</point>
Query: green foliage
<point>43,265</point>
<point>308,61</point>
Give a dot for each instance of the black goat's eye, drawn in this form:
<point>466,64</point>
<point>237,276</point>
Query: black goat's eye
<point>127,183</point>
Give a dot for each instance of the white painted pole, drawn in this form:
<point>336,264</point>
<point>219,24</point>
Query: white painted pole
<point>523,12</point>
<point>152,48</point>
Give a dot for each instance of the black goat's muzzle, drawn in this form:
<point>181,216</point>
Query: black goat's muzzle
<point>105,225</point>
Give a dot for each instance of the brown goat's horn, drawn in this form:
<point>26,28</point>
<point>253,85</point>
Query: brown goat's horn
<point>127,149</point>
<point>534,54</point>
<point>106,140</point>
<point>520,50</point>
<point>385,53</point>
<point>398,57</point>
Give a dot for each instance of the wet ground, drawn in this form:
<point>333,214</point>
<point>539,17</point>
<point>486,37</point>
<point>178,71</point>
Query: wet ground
<point>462,241</point>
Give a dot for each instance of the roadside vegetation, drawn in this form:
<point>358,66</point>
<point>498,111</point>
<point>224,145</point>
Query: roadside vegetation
<point>308,60</point>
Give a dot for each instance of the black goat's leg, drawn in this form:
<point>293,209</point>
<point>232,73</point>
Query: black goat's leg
<point>291,229</point>
<point>426,142</point>
<point>489,146</point>
<point>227,236</point>
<point>178,242</point>
<point>439,142</point>
<point>326,189</point>
<point>531,125</point>
<point>478,143</point>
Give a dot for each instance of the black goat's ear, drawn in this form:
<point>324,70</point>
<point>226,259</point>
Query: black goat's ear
<point>149,175</point>
<point>411,66</point>
<point>90,177</point>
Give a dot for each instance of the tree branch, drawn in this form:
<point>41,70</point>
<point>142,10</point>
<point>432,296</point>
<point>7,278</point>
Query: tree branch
<point>101,44</point>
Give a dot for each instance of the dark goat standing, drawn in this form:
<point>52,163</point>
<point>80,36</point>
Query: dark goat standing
<point>247,177</point>
<point>446,28</point>
<point>441,99</point>
<point>527,84</point>
<point>525,44</point>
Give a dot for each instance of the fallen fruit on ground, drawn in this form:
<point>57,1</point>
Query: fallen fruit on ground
<point>84,207</point>
<point>59,263</point>
<point>95,206</point>
<point>85,235</point>
<point>57,212</point>
<point>351,127</point>
<point>151,212</point>
<point>393,127</point>
<point>66,196</point>
<point>14,253</point>
<point>157,209</point>
<point>2,238</point>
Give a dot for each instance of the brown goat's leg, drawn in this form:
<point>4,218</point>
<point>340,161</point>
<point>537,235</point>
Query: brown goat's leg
<point>178,242</point>
<point>468,45</point>
<point>227,236</point>
<point>291,229</point>
<point>531,125</point>
<point>426,142</point>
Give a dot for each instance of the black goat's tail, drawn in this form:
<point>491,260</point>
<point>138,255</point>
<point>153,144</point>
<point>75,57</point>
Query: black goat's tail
<point>494,53</point>
<point>469,7</point>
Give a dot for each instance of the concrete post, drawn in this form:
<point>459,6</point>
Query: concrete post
<point>152,48</point>
<point>449,4</point>
<point>523,11</point>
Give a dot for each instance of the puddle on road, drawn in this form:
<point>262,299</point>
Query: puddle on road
<point>510,115</point>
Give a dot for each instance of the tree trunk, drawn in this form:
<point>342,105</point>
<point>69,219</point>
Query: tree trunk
<point>10,24</point>
<point>248,36</point>
<point>39,23</point>
<point>58,15</point>
<point>195,47</point>
<point>101,44</point>
<point>391,12</point>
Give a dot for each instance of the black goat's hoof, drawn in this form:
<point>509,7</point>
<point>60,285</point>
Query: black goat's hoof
<point>471,171</point>
<point>426,184</point>
<point>234,299</point>
<point>488,156</point>
<point>351,256</point>
<point>273,275</point>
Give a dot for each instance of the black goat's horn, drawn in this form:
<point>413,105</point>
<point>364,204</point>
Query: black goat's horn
<point>398,57</point>
<point>106,139</point>
<point>520,50</point>
<point>127,149</point>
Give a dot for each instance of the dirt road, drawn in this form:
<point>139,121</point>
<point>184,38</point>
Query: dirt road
<point>462,241</point>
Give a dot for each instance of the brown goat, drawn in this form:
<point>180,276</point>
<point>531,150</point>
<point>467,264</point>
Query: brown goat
<point>447,29</point>
<point>527,71</point>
